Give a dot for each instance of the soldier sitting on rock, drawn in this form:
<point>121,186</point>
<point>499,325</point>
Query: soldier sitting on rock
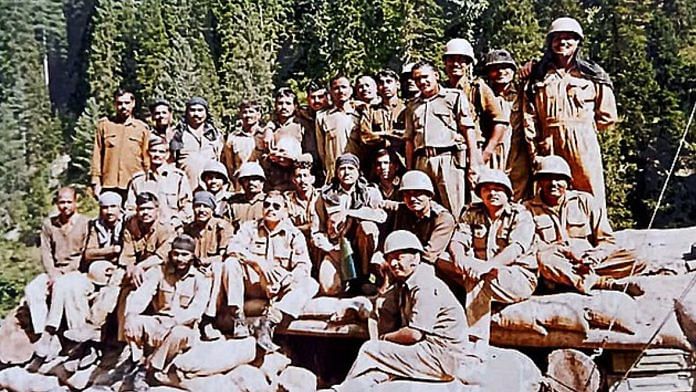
<point>576,244</point>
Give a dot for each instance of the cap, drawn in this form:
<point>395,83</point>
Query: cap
<point>155,140</point>
<point>109,198</point>
<point>206,198</point>
<point>402,240</point>
<point>100,271</point>
<point>416,180</point>
<point>158,102</point>
<point>197,101</point>
<point>407,68</point>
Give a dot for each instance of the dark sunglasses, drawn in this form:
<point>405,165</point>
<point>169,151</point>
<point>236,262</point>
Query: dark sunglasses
<point>275,205</point>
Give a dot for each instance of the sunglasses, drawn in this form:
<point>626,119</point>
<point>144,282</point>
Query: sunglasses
<point>275,205</point>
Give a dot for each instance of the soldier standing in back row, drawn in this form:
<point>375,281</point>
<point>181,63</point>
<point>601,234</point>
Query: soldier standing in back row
<point>120,147</point>
<point>491,124</point>
<point>570,99</point>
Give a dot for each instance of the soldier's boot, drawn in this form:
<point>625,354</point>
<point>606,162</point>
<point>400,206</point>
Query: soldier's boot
<point>208,330</point>
<point>83,334</point>
<point>266,326</point>
<point>45,350</point>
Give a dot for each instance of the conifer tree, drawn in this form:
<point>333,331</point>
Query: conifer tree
<point>511,26</point>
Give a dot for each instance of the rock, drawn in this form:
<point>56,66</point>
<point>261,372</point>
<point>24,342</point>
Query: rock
<point>510,370</point>
<point>247,378</point>
<point>296,379</point>
<point>217,357</point>
<point>16,338</point>
<point>572,371</point>
<point>16,379</point>
<point>685,309</point>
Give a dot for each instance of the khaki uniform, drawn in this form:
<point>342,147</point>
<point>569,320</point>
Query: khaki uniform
<point>334,128</point>
<point>581,224</point>
<point>303,214</point>
<point>278,177</point>
<point>139,245</point>
<point>485,112</point>
<point>294,126</point>
<point>518,165</point>
<point>286,282</point>
<point>435,123</point>
<point>428,306</point>
<point>564,117</point>
<point>177,303</point>
<point>102,242</point>
<point>483,239</point>
<point>61,252</point>
<point>381,125</point>
<point>434,230</point>
<point>174,193</point>
<point>192,152</point>
<point>242,147</point>
<point>238,209</point>
<point>309,142</point>
<point>120,151</point>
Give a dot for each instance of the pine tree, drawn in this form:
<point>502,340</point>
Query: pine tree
<point>514,27</point>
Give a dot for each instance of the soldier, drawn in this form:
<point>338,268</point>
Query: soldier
<point>570,100</point>
<point>177,293</point>
<point>487,115</point>
<point>366,90</point>
<point>214,180</point>
<point>432,343</point>
<point>196,140</point>
<point>576,245</point>
<point>269,260</point>
<point>420,214</point>
<point>161,113</point>
<point>279,163</point>
<point>317,100</point>
<point>247,144</point>
<point>491,252</point>
<point>500,70</point>
<point>349,211</point>
<point>335,125</point>
<point>63,238</point>
<point>286,122</point>
<point>408,85</point>
<point>247,205</point>
<point>172,185</point>
<point>303,198</point>
<point>383,124</point>
<point>105,237</point>
<point>120,147</point>
<point>439,133</point>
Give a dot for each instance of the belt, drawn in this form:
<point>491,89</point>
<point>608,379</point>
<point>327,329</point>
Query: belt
<point>434,151</point>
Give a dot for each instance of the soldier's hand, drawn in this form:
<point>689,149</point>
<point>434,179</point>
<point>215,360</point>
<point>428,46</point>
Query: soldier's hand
<point>526,70</point>
<point>136,274</point>
<point>390,205</point>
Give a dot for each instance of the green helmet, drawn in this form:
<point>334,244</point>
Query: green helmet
<point>493,177</point>
<point>566,24</point>
<point>402,240</point>
<point>499,57</point>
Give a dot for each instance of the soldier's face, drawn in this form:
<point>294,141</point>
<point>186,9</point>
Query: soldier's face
<point>250,116</point>
<point>384,168</point>
<point>341,91</point>
<point>426,79</point>
<point>252,185</point>
<point>387,87</point>
<point>417,201</point>
<point>147,212</point>
<point>494,195</point>
<point>181,259</point>
<point>402,264</point>
<point>110,213</point>
<point>161,116</point>
<point>274,209</point>
<point>318,100</point>
<point>564,43</point>
<point>456,65</point>
<point>158,154</point>
<point>196,115</point>
<point>553,187</point>
<point>501,74</point>
<point>303,179</point>
<point>284,107</point>
<point>213,182</point>
<point>124,105</point>
<point>347,174</point>
<point>66,203</point>
<point>202,212</point>
<point>366,89</point>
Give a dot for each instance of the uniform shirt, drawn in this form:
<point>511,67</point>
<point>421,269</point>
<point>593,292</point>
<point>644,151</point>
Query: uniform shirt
<point>429,306</point>
<point>211,239</point>
<point>120,150</point>
<point>579,222</point>
<point>333,130</point>
<point>192,152</point>
<point>102,239</point>
<point>435,121</point>
<point>434,230</point>
<point>62,244</point>
<point>182,297</point>
<point>302,212</point>
<point>485,111</point>
<point>238,209</point>
<point>174,193</point>
<point>241,147</point>
<point>139,245</point>
<point>484,238</point>
<point>294,126</point>
<point>382,121</point>
<point>285,246</point>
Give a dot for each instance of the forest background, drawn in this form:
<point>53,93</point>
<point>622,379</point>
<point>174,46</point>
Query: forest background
<point>61,61</point>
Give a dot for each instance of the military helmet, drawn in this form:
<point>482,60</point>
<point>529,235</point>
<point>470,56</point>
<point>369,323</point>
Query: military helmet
<point>407,68</point>
<point>251,169</point>
<point>402,240</point>
<point>459,46</point>
<point>566,24</point>
<point>100,271</point>
<point>287,147</point>
<point>499,57</point>
<point>416,180</point>
<point>493,177</point>
<point>216,167</point>
<point>554,165</point>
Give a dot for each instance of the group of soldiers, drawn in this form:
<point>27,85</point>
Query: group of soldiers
<point>397,187</point>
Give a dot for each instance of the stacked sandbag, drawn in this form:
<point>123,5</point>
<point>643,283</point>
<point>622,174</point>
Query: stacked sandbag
<point>216,357</point>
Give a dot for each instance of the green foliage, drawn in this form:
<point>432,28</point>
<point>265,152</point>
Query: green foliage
<point>19,264</point>
<point>511,26</point>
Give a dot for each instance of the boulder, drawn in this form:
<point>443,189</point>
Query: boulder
<point>297,379</point>
<point>510,370</point>
<point>16,379</point>
<point>16,337</point>
<point>572,371</point>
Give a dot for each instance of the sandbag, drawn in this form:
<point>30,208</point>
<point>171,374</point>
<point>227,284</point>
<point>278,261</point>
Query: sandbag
<point>273,364</point>
<point>605,306</point>
<point>247,378</point>
<point>297,379</point>
<point>217,357</point>
<point>685,310</point>
<point>16,337</point>
<point>338,309</point>
<point>557,312</point>
<point>216,383</point>
<point>16,379</point>
<point>510,370</point>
